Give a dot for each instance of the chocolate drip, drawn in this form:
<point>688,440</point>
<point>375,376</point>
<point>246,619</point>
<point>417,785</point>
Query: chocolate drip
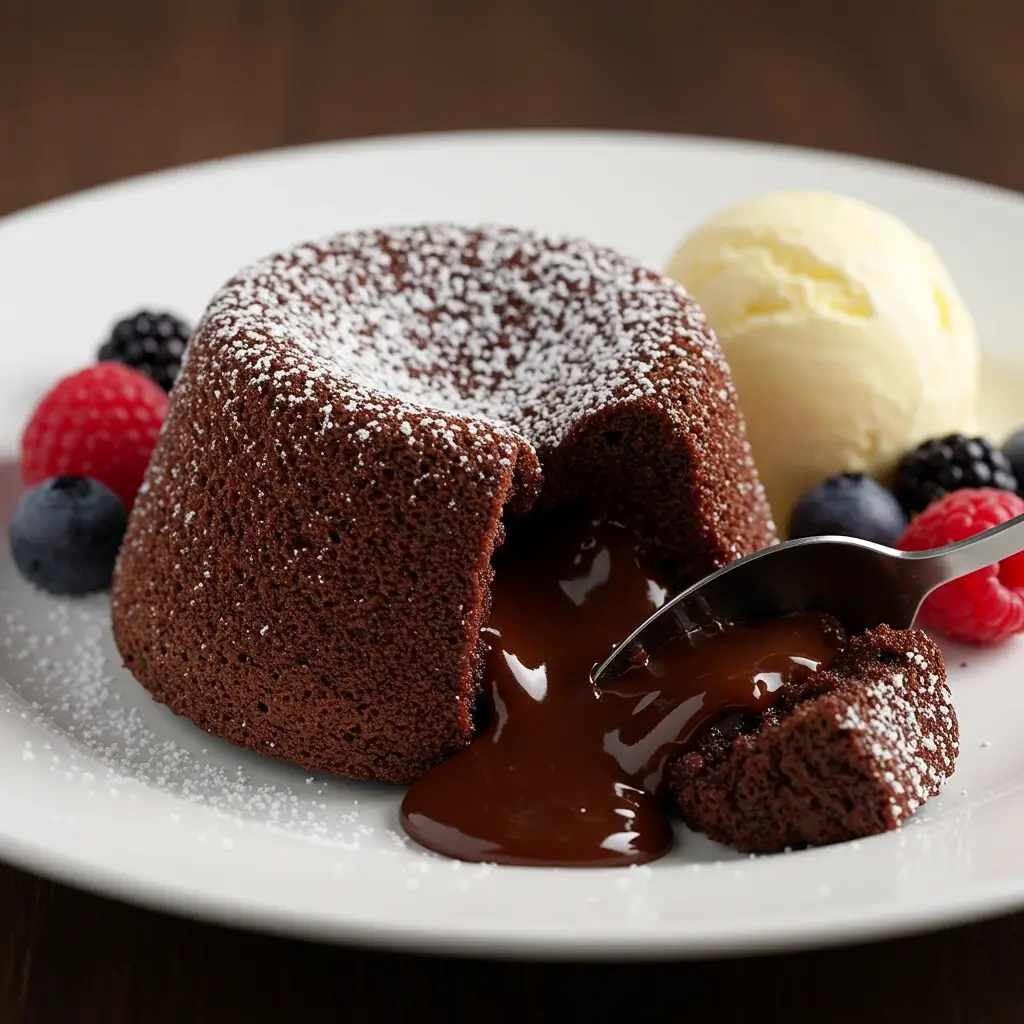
<point>564,774</point>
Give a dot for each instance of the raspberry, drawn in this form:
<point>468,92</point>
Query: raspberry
<point>101,422</point>
<point>988,605</point>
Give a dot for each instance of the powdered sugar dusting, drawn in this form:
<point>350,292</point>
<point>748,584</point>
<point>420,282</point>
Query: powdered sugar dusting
<point>73,690</point>
<point>906,718</point>
<point>523,332</point>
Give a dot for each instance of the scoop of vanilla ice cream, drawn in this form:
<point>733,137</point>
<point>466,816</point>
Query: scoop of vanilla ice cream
<point>848,341</point>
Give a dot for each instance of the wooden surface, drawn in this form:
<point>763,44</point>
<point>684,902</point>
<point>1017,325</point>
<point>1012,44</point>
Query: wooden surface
<point>91,92</point>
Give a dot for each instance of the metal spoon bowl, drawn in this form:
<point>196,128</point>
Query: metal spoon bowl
<point>861,583</point>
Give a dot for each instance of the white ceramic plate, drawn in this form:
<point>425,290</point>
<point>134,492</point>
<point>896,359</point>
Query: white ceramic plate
<point>105,789</point>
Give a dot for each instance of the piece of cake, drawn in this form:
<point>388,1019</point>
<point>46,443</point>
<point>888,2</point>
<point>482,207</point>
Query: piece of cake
<point>307,567</point>
<point>851,752</point>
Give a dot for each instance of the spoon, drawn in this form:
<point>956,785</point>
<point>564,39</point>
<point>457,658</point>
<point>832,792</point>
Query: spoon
<point>861,583</point>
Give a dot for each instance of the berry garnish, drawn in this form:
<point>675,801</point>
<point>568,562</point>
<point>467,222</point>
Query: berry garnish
<point>1013,449</point>
<point>946,464</point>
<point>101,422</point>
<point>65,535</point>
<point>848,505</point>
<point>152,343</point>
<point>988,605</point>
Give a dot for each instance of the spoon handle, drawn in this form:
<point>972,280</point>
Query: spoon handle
<point>966,556</point>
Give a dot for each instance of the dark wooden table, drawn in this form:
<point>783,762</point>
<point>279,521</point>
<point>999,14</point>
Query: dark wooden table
<point>93,92</point>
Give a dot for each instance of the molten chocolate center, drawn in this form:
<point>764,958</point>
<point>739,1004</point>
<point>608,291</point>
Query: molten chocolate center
<point>568,775</point>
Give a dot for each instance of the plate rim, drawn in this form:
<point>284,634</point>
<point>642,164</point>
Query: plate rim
<point>801,934</point>
<point>724,144</point>
<point>981,901</point>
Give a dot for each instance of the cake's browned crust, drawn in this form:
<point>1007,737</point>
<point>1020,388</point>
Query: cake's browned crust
<point>306,571</point>
<point>852,752</point>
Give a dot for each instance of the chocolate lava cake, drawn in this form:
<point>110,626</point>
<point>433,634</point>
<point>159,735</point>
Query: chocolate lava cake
<point>852,751</point>
<point>307,567</point>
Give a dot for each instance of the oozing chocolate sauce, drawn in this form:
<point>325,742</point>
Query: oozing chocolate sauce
<point>564,774</point>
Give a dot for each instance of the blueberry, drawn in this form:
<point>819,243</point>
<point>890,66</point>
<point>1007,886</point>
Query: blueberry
<point>848,505</point>
<point>65,535</point>
<point>1014,452</point>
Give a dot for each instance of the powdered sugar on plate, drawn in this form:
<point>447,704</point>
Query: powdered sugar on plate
<point>107,735</point>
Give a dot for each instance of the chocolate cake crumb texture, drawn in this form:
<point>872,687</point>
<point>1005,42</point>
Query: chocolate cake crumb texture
<point>307,570</point>
<point>854,751</point>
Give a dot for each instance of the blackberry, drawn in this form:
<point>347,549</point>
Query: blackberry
<point>944,464</point>
<point>152,343</point>
<point>1014,451</point>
